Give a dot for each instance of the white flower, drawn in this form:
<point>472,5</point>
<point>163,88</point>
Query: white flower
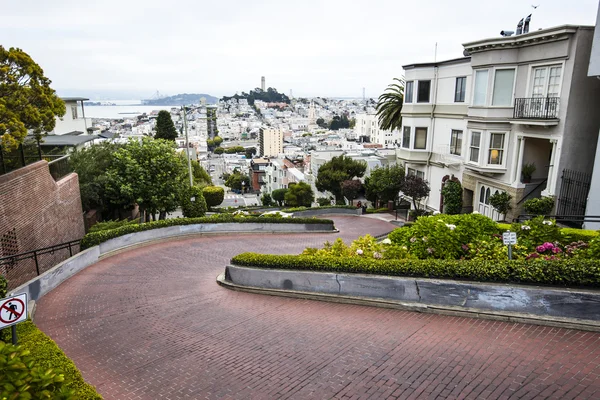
<point>436,212</point>
<point>359,252</point>
<point>386,241</point>
<point>475,212</point>
<point>404,248</point>
<point>451,226</point>
<point>547,223</point>
<point>525,227</point>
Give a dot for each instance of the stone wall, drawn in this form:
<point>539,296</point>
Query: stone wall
<point>470,182</point>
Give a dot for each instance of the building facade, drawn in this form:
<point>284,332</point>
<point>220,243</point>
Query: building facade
<point>270,142</point>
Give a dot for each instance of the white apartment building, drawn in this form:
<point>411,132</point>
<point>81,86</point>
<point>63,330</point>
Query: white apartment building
<point>74,120</point>
<point>270,142</point>
<point>367,124</point>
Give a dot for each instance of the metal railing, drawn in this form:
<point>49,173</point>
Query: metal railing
<point>576,220</point>
<point>60,167</point>
<point>25,154</point>
<point>22,267</point>
<point>536,108</point>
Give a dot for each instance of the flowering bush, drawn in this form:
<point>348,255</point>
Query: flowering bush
<point>537,231</point>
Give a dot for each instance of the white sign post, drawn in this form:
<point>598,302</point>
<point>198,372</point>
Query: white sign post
<point>508,239</point>
<point>12,311</point>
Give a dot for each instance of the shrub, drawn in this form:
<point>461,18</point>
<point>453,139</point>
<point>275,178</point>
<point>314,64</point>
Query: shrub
<point>3,292</point>
<point>452,193</point>
<point>213,195</point>
<point>93,239</point>
<point>266,200</point>
<point>377,210</point>
<point>279,196</point>
<point>324,201</point>
<point>501,202</point>
<point>107,225</point>
<point>539,206</point>
<point>536,231</point>
<point>193,204</point>
<point>575,235</point>
<point>574,272</point>
<point>296,209</point>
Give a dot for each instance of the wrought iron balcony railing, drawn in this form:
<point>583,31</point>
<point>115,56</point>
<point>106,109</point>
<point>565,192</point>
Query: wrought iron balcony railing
<point>536,108</point>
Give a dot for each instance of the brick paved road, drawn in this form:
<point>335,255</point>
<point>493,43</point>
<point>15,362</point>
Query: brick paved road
<point>152,323</point>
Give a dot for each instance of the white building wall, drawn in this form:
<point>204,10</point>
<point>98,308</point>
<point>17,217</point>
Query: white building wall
<point>72,120</point>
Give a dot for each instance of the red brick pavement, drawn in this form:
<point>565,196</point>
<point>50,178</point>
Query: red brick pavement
<point>152,323</point>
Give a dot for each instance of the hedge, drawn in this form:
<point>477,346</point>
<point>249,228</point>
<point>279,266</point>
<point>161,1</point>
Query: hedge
<point>572,272</point>
<point>296,209</point>
<point>377,210</point>
<point>47,355</point>
<point>574,235</point>
<point>95,238</point>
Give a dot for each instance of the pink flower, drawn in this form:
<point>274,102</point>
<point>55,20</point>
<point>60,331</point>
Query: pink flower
<point>556,250</point>
<point>540,248</point>
<point>548,246</point>
<point>532,255</point>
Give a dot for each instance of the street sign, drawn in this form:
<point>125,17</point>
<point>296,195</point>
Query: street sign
<point>509,238</point>
<point>13,310</point>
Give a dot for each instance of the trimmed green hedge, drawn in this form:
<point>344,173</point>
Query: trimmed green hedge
<point>296,209</point>
<point>574,235</point>
<point>566,272</point>
<point>377,210</point>
<point>46,354</point>
<point>95,238</point>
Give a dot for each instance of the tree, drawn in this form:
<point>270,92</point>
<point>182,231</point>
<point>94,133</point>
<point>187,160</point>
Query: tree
<point>337,170</point>
<point>322,124</point>
<point>27,103</point>
<point>389,106</point>
<point>501,202</point>
<point>452,193</point>
<point>219,150</point>
<point>351,188</point>
<point>299,195</point>
<point>148,173</point>
<point>165,129</point>
<point>235,180</point>
<point>384,184</point>
<point>339,123</point>
<point>201,177</point>
<point>417,188</point>
<point>217,140</point>
<point>210,143</point>
<point>266,200</point>
<point>193,204</point>
<point>214,195</point>
<point>250,152</point>
<point>279,196</point>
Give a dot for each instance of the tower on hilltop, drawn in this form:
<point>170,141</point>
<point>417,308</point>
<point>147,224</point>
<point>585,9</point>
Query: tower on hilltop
<point>262,83</point>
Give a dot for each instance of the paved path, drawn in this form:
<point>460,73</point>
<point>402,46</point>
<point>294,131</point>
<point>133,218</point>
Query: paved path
<point>152,323</point>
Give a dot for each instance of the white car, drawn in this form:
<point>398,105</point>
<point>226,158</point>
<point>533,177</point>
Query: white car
<point>275,213</point>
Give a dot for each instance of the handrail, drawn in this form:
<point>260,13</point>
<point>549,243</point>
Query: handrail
<point>568,218</point>
<point>532,190</point>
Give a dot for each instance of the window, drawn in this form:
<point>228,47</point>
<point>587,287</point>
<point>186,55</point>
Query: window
<point>496,149</point>
<point>503,87</point>
<point>406,137</point>
<point>74,112</point>
<point>474,148</point>
<point>456,142</point>
<point>408,92</point>
<point>423,91</point>
<point>546,81</point>
<point>460,89</point>
<point>481,82</point>
<point>415,172</point>
<point>420,138</point>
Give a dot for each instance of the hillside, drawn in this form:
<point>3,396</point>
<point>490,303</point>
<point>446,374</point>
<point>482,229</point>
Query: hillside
<point>181,99</point>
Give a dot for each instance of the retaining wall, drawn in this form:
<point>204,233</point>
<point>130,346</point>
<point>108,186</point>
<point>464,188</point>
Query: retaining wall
<point>325,211</point>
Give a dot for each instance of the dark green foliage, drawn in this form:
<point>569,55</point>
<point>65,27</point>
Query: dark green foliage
<point>501,202</point>
<point>193,204</point>
<point>217,140</point>
<point>108,225</point>
<point>452,193</point>
<point>38,362</point>
<point>219,150</point>
<point>270,96</point>
<point>266,200</point>
<point>300,194</point>
<point>540,231</point>
<point>93,239</point>
<point>234,150</point>
<point>279,196</point>
<point>165,128</point>
<point>334,172</point>
<point>384,184</point>
<point>416,188</point>
<point>324,201</point>
<point>250,152</point>
<point>351,188</point>
<point>389,106</point>
<point>339,122</point>
<point>539,206</point>
<point>377,210</point>
<point>322,124</point>
<point>3,292</point>
<point>235,180</point>
<point>570,235</point>
<point>563,272</point>
<point>201,177</point>
<point>213,195</point>
<point>295,209</point>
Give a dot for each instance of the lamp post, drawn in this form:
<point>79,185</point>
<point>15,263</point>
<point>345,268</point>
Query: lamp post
<point>243,186</point>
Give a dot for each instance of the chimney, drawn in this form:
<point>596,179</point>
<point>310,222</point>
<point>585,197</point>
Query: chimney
<point>526,26</point>
<point>520,27</point>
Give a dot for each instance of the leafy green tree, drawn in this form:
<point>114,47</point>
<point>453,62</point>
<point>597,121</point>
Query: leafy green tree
<point>452,194</point>
<point>235,180</point>
<point>416,188</point>
<point>384,184</point>
<point>217,140</point>
<point>334,172</point>
<point>389,106</point>
<point>351,188</point>
<point>322,124</point>
<point>147,172</point>
<point>266,200</point>
<point>339,123</point>
<point>219,150</point>
<point>27,103</point>
<point>201,177</point>
<point>279,196</point>
<point>214,195</point>
<point>210,143</point>
<point>165,129</point>
<point>299,195</point>
<point>193,204</point>
<point>501,202</point>
<point>250,152</point>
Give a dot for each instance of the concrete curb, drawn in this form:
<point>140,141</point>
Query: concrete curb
<point>444,309</point>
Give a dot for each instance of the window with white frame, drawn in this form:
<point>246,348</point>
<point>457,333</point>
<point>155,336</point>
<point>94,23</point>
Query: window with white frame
<point>406,137</point>
<point>74,112</point>
<point>504,81</point>
<point>460,89</point>
<point>420,139</point>
<point>546,81</point>
<point>423,89</point>
<point>456,142</point>
<point>481,85</point>
<point>408,92</point>
<point>474,147</point>
<point>415,172</point>
<point>496,151</point>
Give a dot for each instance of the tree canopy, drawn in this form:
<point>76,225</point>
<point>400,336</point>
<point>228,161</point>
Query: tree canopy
<point>385,183</point>
<point>26,100</point>
<point>389,106</point>
<point>351,188</point>
<point>279,196</point>
<point>165,128</point>
<point>417,188</point>
<point>339,122</point>
<point>214,195</point>
<point>271,95</point>
<point>337,170</point>
<point>235,180</point>
<point>299,195</point>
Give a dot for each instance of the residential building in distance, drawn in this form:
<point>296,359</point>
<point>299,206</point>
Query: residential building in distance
<point>74,120</point>
<point>270,142</point>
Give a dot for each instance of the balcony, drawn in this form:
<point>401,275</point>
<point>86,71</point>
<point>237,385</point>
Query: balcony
<point>412,156</point>
<point>536,111</point>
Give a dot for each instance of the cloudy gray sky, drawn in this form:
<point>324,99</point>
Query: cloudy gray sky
<point>131,48</point>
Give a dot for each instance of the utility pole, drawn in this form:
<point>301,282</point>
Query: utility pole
<point>187,146</point>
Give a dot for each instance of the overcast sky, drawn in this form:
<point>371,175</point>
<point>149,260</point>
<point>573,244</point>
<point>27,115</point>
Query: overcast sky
<point>132,48</point>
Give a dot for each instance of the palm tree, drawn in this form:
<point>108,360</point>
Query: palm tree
<point>389,106</point>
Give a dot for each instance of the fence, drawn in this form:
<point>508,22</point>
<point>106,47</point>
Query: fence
<point>574,190</point>
<point>25,154</point>
<point>60,167</point>
<point>20,268</point>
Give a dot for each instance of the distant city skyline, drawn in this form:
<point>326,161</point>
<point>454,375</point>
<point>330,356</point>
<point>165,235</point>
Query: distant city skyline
<point>121,50</point>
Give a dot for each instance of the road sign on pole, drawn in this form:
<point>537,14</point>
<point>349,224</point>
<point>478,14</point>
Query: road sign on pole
<point>509,239</point>
<point>13,310</point>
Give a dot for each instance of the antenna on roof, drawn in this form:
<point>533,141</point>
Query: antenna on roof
<point>435,53</point>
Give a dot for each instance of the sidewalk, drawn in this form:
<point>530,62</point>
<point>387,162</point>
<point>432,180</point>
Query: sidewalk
<point>388,217</point>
